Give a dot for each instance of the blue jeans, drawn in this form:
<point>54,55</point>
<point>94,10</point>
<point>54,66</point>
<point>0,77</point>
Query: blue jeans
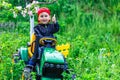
<point>36,56</point>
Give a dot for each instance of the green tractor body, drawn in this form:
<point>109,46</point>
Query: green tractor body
<point>50,66</point>
<point>24,54</point>
<point>52,56</point>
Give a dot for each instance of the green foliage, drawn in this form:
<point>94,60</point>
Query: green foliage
<point>17,70</point>
<point>88,62</point>
<point>92,29</point>
<point>9,43</point>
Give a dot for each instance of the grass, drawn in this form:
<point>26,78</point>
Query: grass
<point>95,49</point>
<point>94,38</point>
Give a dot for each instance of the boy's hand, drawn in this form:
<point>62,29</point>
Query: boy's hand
<point>54,19</point>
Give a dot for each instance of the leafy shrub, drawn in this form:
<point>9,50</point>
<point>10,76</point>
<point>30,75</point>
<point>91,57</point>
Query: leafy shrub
<point>92,29</point>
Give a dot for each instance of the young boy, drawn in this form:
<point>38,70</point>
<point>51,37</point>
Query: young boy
<point>44,28</point>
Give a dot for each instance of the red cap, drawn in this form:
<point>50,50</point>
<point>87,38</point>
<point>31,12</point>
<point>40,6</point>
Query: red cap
<point>43,10</point>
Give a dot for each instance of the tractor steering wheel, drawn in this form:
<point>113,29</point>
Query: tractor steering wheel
<point>42,40</point>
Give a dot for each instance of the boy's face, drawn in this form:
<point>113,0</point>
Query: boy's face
<point>44,18</point>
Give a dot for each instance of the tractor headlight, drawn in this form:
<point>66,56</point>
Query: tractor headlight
<point>57,66</point>
<point>62,66</point>
<point>51,65</point>
<point>47,65</point>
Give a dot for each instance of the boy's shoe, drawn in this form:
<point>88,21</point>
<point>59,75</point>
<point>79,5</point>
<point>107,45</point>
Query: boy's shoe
<point>27,71</point>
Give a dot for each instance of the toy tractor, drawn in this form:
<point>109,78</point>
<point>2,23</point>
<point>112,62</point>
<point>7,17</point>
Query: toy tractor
<point>50,64</point>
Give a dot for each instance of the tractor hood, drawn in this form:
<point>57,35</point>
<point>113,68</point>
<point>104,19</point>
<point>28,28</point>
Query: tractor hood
<point>53,56</point>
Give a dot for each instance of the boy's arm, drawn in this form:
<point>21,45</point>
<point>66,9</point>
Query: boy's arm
<point>37,32</point>
<point>55,27</point>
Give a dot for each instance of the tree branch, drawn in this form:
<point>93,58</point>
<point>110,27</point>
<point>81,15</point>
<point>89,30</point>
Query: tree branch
<point>47,2</point>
